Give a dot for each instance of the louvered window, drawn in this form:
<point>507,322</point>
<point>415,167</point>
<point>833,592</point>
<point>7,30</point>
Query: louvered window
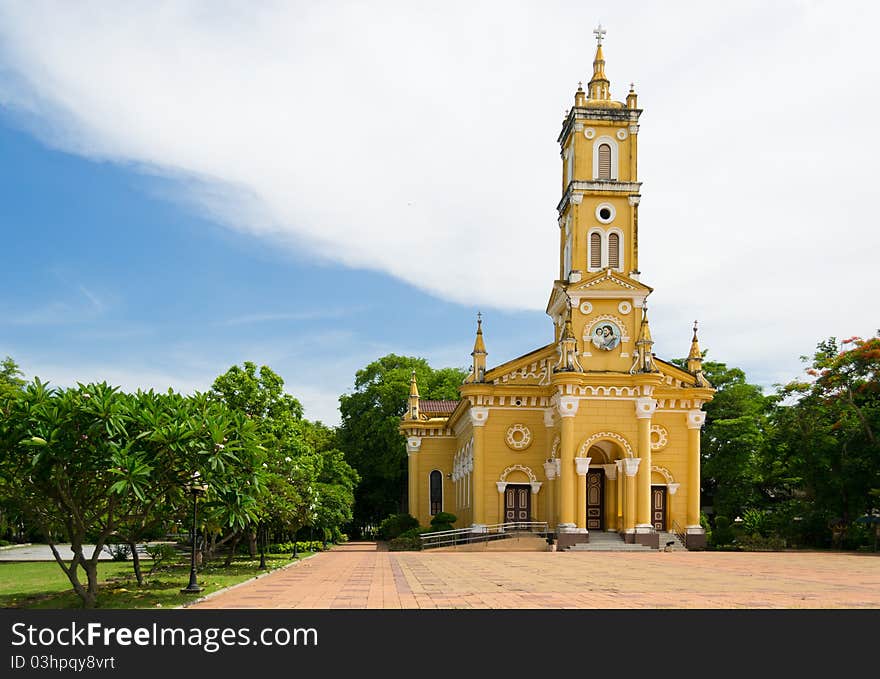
<point>595,251</point>
<point>604,161</point>
<point>436,492</point>
<point>614,251</point>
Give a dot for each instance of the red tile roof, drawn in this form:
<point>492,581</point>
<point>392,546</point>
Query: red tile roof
<point>442,408</point>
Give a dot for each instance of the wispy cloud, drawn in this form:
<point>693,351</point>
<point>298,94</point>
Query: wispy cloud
<point>422,145</point>
<point>274,317</point>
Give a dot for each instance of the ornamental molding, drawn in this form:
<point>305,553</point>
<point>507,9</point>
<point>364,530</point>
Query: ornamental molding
<point>550,470</point>
<point>631,466</point>
<point>634,200</point>
<point>413,443</point>
<point>665,473</point>
<point>624,307</point>
<point>479,415</point>
<point>609,276</point>
<point>518,437</point>
<point>519,468</point>
<point>567,405</point>
<point>645,407</point>
<point>695,419</point>
<point>577,198</point>
<point>554,449</point>
<point>610,471</point>
<point>582,465</point>
<point>585,307</point>
<point>549,418</point>
<point>606,436</point>
<point>662,437</point>
<point>536,370</point>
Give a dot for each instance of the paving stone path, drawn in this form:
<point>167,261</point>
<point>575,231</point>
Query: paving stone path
<point>358,575</point>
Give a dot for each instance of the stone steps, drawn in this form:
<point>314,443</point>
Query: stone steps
<point>601,541</point>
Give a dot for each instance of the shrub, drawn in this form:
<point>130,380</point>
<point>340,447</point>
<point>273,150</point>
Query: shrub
<point>443,521</point>
<point>723,533</point>
<point>159,553</point>
<point>396,524</point>
<point>301,546</point>
<point>118,552</point>
<point>408,541</point>
<point>758,543</point>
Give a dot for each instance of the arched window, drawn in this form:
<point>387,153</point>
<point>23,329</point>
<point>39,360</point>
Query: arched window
<point>613,250</point>
<point>604,161</point>
<point>595,251</point>
<point>436,484</point>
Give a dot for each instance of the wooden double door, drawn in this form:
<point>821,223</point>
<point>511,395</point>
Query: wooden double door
<point>658,507</point>
<point>596,499</point>
<point>517,502</point>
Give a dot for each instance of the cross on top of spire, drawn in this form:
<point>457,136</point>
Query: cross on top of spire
<point>599,32</point>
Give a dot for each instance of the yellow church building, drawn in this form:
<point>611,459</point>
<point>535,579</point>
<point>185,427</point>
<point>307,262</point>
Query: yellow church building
<point>591,432</point>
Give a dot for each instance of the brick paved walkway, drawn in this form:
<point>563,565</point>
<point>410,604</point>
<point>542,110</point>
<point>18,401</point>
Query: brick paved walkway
<point>356,575</point>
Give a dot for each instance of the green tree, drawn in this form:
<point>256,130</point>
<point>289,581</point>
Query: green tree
<point>307,481</point>
<point>826,462</point>
<point>369,434</point>
<point>86,462</point>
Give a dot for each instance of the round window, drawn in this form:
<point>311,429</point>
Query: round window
<point>605,213</point>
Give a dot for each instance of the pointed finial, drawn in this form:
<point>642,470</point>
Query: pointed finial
<point>599,32</point>
<point>695,330</point>
<point>695,360</point>
<point>632,87</point>
<point>580,85</point>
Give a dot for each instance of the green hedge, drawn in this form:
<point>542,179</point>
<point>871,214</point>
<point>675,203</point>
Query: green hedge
<point>301,546</point>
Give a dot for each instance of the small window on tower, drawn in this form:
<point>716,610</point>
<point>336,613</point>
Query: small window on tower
<point>614,251</point>
<point>604,161</point>
<point>595,251</point>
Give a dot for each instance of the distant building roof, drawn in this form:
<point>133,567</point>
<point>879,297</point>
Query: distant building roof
<point>442,408</point>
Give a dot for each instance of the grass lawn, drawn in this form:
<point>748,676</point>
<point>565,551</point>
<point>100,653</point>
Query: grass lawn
<point>43,585</point>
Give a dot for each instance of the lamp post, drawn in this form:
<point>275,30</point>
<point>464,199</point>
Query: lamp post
<point>195,488</point>
<point>262,546</point>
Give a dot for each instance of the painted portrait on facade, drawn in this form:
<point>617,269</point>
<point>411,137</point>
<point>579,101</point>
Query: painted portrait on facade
<point>606,336</point>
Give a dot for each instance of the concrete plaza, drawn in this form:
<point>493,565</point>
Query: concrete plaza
<point>358,575</point>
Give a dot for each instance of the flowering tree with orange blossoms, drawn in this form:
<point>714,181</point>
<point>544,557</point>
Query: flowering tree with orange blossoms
<point>824,457</point>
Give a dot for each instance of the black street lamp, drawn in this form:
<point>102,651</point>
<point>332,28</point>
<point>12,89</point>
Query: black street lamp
<point>195,488</point>
<point>262,547</point>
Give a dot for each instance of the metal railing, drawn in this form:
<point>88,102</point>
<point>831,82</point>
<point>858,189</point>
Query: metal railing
<point>679,532</point>
<point>496,531</point>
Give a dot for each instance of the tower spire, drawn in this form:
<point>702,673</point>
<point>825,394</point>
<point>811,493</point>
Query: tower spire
<point>695,360</point>
<point>568,361</point>
<point>413,412</point>
<point>479,352</point>
<point>644,355</point>
<point>599,87</point>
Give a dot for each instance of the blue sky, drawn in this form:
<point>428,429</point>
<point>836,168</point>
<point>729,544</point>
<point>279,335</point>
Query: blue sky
<point>185,185</point>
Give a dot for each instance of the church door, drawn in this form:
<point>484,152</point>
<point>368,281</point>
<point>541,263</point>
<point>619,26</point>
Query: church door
<point>658,507</point>
<point>595,499</point>
<point>517,503</point>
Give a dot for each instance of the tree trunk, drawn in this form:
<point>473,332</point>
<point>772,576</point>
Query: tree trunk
<point>136,563</point>
<point>229,557</point>
<point>252,544</point>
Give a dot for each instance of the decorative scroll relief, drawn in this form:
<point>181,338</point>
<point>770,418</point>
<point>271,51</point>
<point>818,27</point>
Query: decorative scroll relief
<point>519,468</point>
<point>554,449</point>
<point>659,437</point>
<point>538,370</point>
<point>518,437</point>
<point>607,436</point>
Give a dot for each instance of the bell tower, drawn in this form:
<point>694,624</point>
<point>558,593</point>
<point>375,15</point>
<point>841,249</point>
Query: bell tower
<point>598,223</point>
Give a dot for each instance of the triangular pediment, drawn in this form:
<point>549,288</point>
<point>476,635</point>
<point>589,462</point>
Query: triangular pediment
<point>609,280</point>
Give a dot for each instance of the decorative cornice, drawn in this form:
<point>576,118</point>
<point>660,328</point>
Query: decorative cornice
<point>578,187</point>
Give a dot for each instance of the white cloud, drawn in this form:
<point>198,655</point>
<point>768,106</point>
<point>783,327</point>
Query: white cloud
<point>421,141</point>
